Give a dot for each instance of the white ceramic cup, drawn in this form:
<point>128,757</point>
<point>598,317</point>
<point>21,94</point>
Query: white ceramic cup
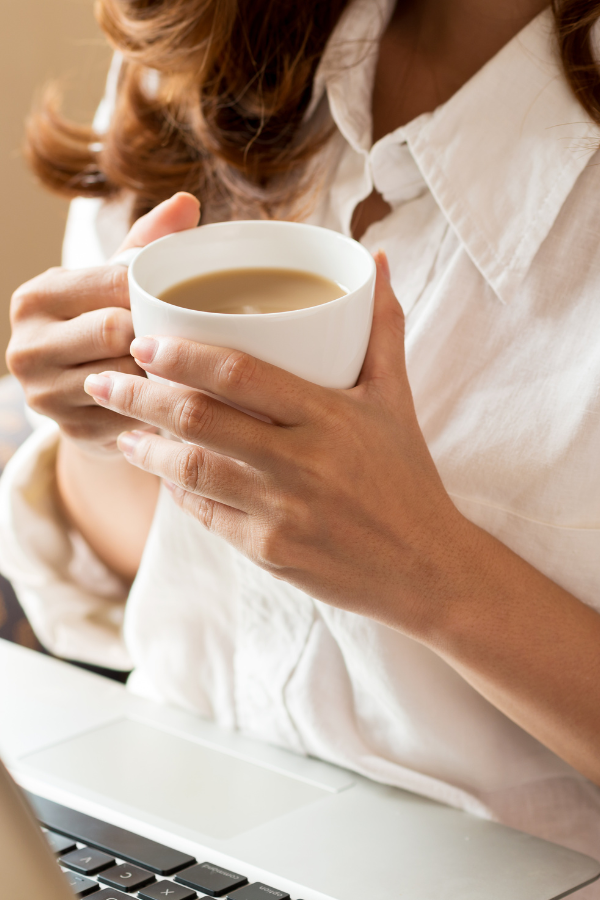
<point>324,344</point>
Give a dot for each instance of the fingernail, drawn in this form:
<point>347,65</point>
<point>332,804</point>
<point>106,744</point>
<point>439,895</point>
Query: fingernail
<point>128,441</point>
<point>144,349</point>
<point>98,386</point>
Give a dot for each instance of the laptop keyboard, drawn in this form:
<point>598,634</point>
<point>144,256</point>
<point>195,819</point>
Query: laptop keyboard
<point>105,862</point>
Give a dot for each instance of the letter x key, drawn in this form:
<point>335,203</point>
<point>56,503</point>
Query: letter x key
<point>166,890</point>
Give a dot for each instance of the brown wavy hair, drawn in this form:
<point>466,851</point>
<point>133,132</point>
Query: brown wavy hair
<point>225,118</point>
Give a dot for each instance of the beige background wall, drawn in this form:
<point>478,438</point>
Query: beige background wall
<point>41,40</point>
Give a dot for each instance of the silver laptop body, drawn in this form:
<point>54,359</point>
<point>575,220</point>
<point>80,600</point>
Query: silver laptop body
<point>305,827</point>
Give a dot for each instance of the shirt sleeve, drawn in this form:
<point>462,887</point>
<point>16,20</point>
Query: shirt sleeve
<point>75,604</point>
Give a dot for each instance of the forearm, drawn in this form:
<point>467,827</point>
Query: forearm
<point>527,645</point>
<point>339,496</point>
<point>109,502</point>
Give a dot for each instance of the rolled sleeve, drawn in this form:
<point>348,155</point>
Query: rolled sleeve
<point>74,603</point>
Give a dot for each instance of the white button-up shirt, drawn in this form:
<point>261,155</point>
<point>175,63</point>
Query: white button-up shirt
<point>494,244</point>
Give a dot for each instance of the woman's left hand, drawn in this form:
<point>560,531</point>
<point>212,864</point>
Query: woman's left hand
<point>337,494</point>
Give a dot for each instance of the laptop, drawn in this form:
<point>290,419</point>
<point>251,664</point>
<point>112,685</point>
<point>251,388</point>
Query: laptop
<point>137,799</point>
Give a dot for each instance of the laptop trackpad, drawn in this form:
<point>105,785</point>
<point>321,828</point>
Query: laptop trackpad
<point>152,773</point>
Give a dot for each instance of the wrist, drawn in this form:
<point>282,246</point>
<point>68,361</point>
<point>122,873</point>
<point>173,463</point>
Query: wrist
<point>478,597</point>
<point>449,582</point>
<point>108,501</point>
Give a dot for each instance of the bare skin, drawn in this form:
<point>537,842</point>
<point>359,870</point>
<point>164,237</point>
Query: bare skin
<point>527,645</point>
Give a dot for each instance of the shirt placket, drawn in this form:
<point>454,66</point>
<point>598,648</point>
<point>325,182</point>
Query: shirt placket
<point>273,624</point>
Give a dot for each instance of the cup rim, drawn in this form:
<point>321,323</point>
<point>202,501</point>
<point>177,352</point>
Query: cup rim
<point>288,313</point>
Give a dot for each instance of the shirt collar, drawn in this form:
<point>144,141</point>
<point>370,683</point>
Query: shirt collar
<point>500,157</point>
<point>347,69</point>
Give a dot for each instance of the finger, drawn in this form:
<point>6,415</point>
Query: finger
<point>178,213</point>
<point>65,400</point>
<point>65,293</point>
<point>237,377</point>
<point>95,335</point>
<point>69,383</point>
<point>61,394</point>
<point>188,414</point>
<point>385,362</point>
<point>194,469</point>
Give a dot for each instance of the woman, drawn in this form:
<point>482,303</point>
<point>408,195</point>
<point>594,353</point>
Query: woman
<point>403,578</point>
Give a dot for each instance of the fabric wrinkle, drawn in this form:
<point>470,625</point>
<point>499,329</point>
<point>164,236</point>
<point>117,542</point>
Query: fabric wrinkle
<point>493,244</point>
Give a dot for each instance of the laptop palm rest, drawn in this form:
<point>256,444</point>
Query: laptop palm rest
<point>86,742</point>
<point>173,779</point>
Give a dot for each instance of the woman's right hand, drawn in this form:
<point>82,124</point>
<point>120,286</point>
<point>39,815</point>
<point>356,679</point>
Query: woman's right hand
<point>68,324</point>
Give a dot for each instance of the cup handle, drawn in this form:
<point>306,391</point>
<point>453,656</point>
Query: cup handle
<point>126,257</point>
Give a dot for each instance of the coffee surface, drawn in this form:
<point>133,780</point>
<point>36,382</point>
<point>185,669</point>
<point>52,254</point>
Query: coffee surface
<point>250,291</point>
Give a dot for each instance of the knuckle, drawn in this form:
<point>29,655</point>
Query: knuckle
<point>23,303</point>
<point>191,470</point>
<point>298,524</point>
<point>114,332</point>
<point>29,298</point>
<point>206,514</point>
<point>237,371</point>
<point>283,537</point>
<point>117,284</point>
<point>195,417</point>
<point>128,395</point>
<point>299,517</point>
<point>144,453</point>
<point>22,359</point>
<point>272,549</point>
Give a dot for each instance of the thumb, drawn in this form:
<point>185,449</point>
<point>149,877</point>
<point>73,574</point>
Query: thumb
<point>178,213</point>
<point>385,361</point>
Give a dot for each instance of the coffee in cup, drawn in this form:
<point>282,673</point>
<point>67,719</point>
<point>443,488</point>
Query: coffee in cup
<point>251,291</point>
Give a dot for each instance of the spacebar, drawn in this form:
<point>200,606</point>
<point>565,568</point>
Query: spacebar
<point>123,844</point>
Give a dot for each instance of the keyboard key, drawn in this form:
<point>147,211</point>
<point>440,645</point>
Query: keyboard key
<point>128,878</point>
<point>58,843</point>
<point>111,894</point>
<point>116,841</point>
<point>211,879</point>
<point>87,861</point>
<point>166,890</point>
<point>80,886</point>
<point>258,891</point>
